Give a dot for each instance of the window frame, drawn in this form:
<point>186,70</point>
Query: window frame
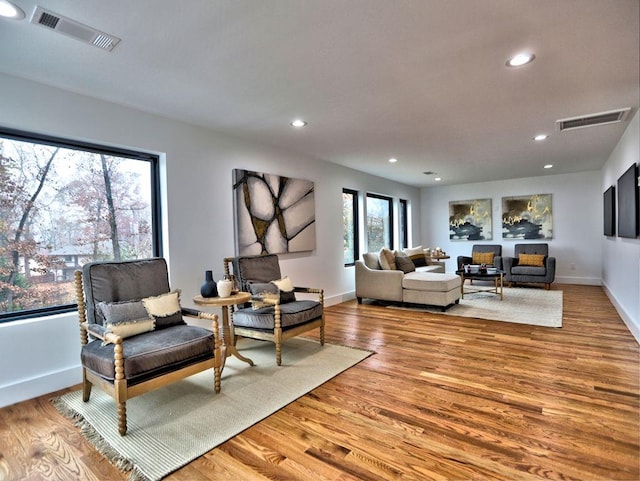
<point>355,225</point>
<point>403,227</point>
<point>391,220</point>
<point>156,213</point>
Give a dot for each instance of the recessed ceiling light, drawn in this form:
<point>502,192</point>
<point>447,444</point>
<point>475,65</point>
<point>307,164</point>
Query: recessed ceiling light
<point>393,160</point>
<point>548,166</point>
<point>298,123</point>
<point>10,10</point>
<point>437,179</point>
<point>541,137</point>
<point>520,59</point>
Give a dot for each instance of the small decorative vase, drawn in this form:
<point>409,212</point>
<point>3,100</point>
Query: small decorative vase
<point>209,288</point>
<point>224,287</point>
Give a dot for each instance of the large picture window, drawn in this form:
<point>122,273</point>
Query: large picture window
<point>350,225</point>
<point>64,204</point>
<point>379,222</point>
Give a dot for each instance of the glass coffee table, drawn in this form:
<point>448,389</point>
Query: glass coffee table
<point>496,276</point>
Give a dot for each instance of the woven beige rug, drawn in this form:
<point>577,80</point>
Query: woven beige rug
<point>169,427</point>
<point>520,305</point>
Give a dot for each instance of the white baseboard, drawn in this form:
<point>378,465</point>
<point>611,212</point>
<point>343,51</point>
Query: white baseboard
<point>332,300</point>
<point>34,387</point>
<point>583,281</point>
<point>633,327</point>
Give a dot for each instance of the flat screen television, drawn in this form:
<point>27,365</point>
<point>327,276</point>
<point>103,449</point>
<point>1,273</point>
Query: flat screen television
<point>628,203</point>
<point>609,197</point>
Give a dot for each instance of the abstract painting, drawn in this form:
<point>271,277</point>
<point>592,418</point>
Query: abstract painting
<point>470,220</point>
<point>273,213</point>
<point>527,217</point>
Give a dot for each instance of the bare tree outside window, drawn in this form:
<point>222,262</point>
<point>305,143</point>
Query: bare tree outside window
<point>62,207</point>
<point>379,222</point>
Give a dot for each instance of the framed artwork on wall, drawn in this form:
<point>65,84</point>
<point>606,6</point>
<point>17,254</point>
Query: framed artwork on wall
<point>470,220</point>
<point>628,203</point>
<point>273,213</point>
<point>527,217</point>
<point>609,206</point>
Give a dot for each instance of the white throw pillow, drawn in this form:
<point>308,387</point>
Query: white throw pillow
<point>387,259</point>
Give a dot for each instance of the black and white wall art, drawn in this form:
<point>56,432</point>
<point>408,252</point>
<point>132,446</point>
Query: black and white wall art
<point>273,213</point>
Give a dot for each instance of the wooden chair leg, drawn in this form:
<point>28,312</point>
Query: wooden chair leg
<point>86,386</point>
<point>122,418</point>
<point>216,378</point>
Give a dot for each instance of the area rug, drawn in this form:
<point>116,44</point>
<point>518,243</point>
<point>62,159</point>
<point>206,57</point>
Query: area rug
<point>521,305</point>
<point>171,426</point>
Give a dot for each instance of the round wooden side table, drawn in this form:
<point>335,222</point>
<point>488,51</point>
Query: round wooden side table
<point>228,334</point>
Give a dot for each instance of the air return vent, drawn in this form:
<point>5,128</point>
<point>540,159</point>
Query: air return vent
<point>71,28</point>
<point>602,118</point>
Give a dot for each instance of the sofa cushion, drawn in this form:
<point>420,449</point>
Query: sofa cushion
<point>482,258</point>
<point>122,281</point>
<point>528,271</point>
<point>387,259</point>
<point>268,289</point>
<point>417,256</point>
<point>404,264</point>
<point>430,281</point>
<point>264,268</point>
<point>371,260</point>
<point>435,267</point>
<point>122,311</point>
<point>165,309</point>
<point>131,328</point>
<point>286,289</point>
<point>265,290</point>
<point>147,353</point>
<point>534,260</point>
<point>126,318</point>
<point>291,314</point>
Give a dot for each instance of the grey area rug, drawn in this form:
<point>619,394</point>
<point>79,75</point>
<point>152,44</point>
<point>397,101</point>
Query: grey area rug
<point>171,426</point>
<point>521,305</point>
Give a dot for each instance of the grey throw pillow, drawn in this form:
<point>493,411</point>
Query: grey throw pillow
<point>405,264</point>
<point>122,311</point>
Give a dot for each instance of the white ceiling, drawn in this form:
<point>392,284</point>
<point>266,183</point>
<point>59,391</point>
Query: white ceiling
<point>421,80</point>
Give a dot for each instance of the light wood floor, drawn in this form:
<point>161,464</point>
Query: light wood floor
<point>443,398</point>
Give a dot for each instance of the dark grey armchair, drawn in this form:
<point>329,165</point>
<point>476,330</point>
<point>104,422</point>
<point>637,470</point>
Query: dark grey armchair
<point>274,314</point>
<point>531,264</point>
<point>479,249</point>
<point>133,335</point>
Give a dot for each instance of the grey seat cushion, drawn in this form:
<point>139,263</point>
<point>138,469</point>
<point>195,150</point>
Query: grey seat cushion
<point>528,271</point>
<point>151,353</point>
<point>291,314</point>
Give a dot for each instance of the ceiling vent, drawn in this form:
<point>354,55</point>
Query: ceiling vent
<point>71,28</point>
<point>603,118</point>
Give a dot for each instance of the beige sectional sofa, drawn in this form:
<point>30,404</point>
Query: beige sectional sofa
<point>428,284</point>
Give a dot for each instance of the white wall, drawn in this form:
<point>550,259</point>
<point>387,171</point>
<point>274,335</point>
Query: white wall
<point>197,210</point>
<point>577,220</point>
<point>621,256</point>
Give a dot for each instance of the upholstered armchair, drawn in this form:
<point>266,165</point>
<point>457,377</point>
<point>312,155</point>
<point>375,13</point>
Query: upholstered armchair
<point>530,264</point>
<point>133,335</point>
<point>490,254</point>
<point>274,314</point>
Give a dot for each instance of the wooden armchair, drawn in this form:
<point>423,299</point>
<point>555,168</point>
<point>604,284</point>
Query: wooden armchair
<point>133,335</point>
<point>274,314</point>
